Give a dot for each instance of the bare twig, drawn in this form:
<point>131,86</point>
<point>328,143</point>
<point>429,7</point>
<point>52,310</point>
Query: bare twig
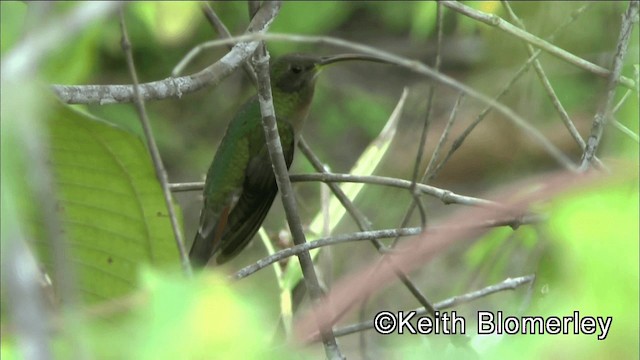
<point>224,33</point>
<point>153,150</point>
<point>461,138</point>
<point>564,116</point>
<point>363,223</point>
<point>604,110</point>
<point>496,21</point>
<point>427,176</point>
<point>425,128</point>
<point>513,222</point>
<point>261,64</point>
<point>625,130</point>
<point>446,196</point>
<point>507,284</point>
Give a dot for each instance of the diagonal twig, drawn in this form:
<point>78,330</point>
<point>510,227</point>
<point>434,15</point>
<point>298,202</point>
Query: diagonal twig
<point>507,284</point>
<point>600,120</point>
<point>224,33</point>
<point>161,173</point>
<point>496,21</point>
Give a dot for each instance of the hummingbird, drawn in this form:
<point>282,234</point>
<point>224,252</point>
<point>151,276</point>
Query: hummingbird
<point>240,185</point>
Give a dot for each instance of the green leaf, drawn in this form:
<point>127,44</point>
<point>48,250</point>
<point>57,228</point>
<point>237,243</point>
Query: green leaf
<point>110,204</point>
<point>12,17</point>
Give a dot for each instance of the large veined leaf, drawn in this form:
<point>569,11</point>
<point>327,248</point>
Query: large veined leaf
<point>109,203</point>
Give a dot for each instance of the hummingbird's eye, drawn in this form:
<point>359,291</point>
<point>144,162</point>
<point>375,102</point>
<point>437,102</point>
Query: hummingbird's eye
<point>296,69</point>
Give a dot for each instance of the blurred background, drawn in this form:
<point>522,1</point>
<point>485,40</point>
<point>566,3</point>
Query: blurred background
<point>352,104</point>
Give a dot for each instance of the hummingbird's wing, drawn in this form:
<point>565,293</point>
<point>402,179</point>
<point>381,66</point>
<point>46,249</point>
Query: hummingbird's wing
<point>258,192</point>
<point>223,187</point>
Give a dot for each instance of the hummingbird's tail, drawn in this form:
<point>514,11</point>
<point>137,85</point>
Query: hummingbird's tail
<point>200,252</point>
<point>208,238</point>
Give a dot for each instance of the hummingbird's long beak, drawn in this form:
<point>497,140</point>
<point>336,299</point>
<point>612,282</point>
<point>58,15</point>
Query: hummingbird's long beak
<point>326,60</point>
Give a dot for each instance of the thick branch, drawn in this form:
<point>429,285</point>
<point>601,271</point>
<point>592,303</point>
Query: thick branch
<point>174,86</point>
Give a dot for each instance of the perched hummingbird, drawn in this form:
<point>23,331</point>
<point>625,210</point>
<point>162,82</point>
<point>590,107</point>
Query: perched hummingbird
<point>240,185</point>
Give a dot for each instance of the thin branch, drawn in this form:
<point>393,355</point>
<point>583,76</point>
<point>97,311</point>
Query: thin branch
<point>188,186</point>
<point>276,154</point>
<point>174,87</point>
<point>363,223</point>
<point>446,196</point>
<point>161,173</point>
<point>625,130</point>
<point>224,33</point>
<point>507,284</point>
<point>425,129</point>
<point>429,173</point>
<point>604,111</point>
<point>546,84</point>
<point>496,21</point>
<point>461,138</point>
<point>427,176</point>
<point>512,222</point>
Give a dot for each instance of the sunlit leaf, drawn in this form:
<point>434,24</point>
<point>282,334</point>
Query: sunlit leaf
<point>109,202</point>
<point>12,15</point>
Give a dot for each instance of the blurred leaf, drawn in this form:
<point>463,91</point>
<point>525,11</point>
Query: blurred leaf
<point>211,319</point>
<point>109,201</point>
<point>12,16</point>
<point>8,349</point>
<point>169,21</point>
<point>174,318</point>
<point>424,19</point>
<point>596,249</point>
<point>307,17</point>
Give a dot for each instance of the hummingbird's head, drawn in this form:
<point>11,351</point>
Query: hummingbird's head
<point>295,72</point>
